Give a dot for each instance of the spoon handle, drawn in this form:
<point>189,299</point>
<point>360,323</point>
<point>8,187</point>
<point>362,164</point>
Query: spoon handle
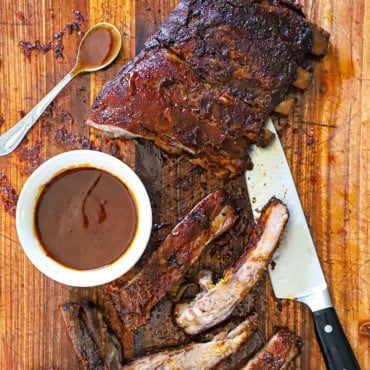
<point>12,138</point>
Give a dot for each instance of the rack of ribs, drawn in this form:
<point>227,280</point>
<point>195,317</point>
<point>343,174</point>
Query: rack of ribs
<point>216,303</point>
<point>208,79</point>
<point>134,299</point>
<point>199,355</point>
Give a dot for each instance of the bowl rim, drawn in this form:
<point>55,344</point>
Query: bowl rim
<point>28,199</point>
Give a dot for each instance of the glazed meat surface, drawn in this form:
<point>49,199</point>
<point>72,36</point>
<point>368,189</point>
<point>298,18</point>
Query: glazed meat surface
<point>207,80</point>
<point>167,265</point>
<point>217,302</point>
<point>199,355</point>
<point>95,345</point>
<point>277,353</point>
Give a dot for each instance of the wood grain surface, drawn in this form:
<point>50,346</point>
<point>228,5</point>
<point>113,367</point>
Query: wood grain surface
<point>326,140</point>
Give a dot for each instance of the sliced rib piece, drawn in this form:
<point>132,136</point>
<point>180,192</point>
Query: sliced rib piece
<point>95,345</point>
<point>277,353</point>
<point>199,355</point>
<point>208,219</point>
<point>207,80</point>
<point>217,303</point>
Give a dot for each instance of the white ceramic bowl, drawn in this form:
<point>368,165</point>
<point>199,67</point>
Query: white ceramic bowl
<point>26,211</point>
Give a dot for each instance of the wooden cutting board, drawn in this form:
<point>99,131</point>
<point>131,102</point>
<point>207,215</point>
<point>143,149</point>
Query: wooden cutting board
<point>326,142</point>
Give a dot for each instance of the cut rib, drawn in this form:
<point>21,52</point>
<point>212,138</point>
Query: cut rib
<point>217,302</point>
<point>206,221</point>
<point>208,79</point>
<point>95,345</point>
<point>277,353</point>
<point>199,355</point>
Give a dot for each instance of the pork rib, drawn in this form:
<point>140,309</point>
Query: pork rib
<point>277,353</point>
<point>207,80</point>
<point>199,355</point>
<point>208,219</point>
<point>217,302</point>
<point>95,345</point>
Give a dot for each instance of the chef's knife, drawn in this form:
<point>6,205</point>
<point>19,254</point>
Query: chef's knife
<point>297,273</point>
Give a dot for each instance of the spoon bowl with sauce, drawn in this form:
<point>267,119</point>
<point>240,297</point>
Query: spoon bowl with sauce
<point>83,218</point>
<point>98,48</point>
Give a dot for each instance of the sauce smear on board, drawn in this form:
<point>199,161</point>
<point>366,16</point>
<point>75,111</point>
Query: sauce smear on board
<point>85,218</point>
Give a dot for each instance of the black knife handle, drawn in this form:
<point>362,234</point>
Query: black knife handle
<point>337,352</point>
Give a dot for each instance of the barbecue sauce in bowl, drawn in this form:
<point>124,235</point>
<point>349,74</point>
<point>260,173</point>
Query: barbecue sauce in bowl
<point>85,218</point>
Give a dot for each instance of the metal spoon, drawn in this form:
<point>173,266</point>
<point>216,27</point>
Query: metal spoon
<point>12,138</point>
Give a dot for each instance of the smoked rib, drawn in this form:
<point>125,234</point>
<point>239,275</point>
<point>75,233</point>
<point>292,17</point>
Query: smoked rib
<point>167,265</point>
<point>208,79</point>
<point>97,347</point>
<point>277,353</point>
<point>217,302</point>
<point>203,356</point>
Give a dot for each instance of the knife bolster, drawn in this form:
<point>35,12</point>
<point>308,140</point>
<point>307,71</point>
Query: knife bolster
<point>317,300</point>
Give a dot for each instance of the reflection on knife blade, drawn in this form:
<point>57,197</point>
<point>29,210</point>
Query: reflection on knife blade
<point>298,274</point>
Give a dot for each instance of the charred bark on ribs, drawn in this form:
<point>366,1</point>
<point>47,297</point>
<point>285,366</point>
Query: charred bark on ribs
<point>95,345</point>
<point>277,353</point>
<point>217,301</point>
<point>204,355</point>
<point>207,80</point>
<point>133,300</point>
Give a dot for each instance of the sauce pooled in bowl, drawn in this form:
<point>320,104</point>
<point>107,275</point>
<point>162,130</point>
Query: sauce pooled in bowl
<point>85,218</point>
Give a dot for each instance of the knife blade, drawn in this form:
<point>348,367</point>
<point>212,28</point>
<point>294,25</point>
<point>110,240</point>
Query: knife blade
<point>297,273</point>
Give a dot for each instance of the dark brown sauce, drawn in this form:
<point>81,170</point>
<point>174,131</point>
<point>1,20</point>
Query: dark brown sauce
<point>85,218</point>
<point>96,48</point>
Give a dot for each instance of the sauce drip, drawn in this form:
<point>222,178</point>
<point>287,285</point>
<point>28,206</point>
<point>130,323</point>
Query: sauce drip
<point>85,218</point>
<point>96,48</point>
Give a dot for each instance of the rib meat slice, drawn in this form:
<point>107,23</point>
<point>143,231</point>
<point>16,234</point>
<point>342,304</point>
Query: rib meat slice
<point>277,353</point>
<point>208,219</point>
<point>95,345</point>
<point>208,79</point>
<point>199,355</point>
<point>218,301</point>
